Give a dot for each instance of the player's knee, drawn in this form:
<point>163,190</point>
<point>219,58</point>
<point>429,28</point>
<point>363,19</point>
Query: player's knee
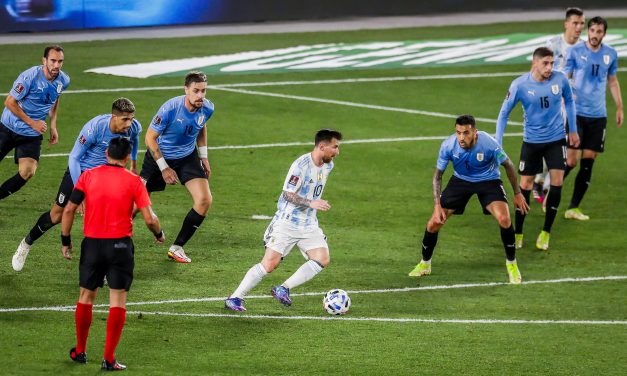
<point>203,204</point>
<point>27,172</point>
<point>433,226</point>
<point>56,214</point>
<point>270,265</point>
<point>504,220</point>
<point>323,260</point>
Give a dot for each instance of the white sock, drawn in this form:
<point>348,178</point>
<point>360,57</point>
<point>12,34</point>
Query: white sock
<point>251,279</point>
<point>426,261</point>
<point>306,272</point>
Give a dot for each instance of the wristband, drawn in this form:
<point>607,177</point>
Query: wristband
<point>162,164</point>
<point>202,152</point>
<point>159,234</point>
<point>66,240</point>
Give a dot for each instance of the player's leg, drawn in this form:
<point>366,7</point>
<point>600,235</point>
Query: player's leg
<point>82,319</point>
<point>500,211</point>
<point>530,164</point>
<point>318,259</point>
<point>7,141</point>
<point>26,170</point>
<point>115,324</point>
<point>254,275</point>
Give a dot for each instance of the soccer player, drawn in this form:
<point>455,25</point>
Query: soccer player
<point>476,157</point>
<point>35,95</point>
<point>88,152</point>
<point>109,193</point>
<point>541,92</point>
<point>175,132</point>
<point>593,66</point>
<point>560,44</point>
<point>295,223</point>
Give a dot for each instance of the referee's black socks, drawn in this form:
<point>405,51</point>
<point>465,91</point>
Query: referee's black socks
<point>582,181</point>
<point>190,224</point>
<point>12,185</point>
<point>552,203</point>
<point>44,223</point>
<point>520,217</point>
<point>509,242</point>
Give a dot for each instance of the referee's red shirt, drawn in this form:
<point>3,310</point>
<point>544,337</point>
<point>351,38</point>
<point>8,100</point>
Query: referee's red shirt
<point>110,192</point>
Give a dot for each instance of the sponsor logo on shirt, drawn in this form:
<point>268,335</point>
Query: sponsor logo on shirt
<point>293,180</point>
<point>584,58</point>
<point>19,88</point>
<point>82,140</point>
<point>531,92</point>
<point>157,120</point>
<point>555,89</point>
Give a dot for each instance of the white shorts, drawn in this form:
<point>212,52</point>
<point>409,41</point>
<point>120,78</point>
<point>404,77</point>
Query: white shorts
<point>281,237</point>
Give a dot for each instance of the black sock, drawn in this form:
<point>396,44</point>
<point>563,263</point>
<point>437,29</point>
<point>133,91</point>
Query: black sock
<point>567,170</point>
<point>519,217</point>
<point>552,203</point>
<point>12,185</point>
<point>429,241</point>
<point>190,224</point>
<point>509,242</point>
<point>581,182</point>
<point>44,223</point>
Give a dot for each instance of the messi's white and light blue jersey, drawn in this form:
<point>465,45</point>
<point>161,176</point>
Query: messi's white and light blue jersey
<point>36,96</point>
<point>542,106</point>
<point>480,163</point>
<point>178,128</point>
<point>93,140</point>
<point>560,50</point>
<point>590,72</point>
<point>306,180</point>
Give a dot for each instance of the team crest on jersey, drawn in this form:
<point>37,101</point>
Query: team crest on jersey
<point>555,89</point>
<point>606,59</point>
<point>293,180</point>
<point>19,88</point>
<point>82,140</point>
<point>157,120</point>
<point>201,119</point>
<point>480,157</point>
<point>319,175</point>
<point>59,88</point>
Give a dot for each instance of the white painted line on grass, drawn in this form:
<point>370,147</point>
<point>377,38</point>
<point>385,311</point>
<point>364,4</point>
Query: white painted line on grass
<point>287,144</point>
<point>377,291</point>
<point>260,216</point>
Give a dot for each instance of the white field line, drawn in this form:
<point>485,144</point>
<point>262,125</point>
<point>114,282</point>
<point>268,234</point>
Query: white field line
<point>320,294</point>
<point>287,144</point>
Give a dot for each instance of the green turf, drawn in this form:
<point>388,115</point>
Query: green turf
<point>381,198</point>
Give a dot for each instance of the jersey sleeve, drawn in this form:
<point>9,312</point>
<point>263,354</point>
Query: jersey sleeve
<point>135,139</point>
<point>511,98</point>
<point>614,66</point>
<point>569,105</point>
<point>444,156</point>
<point>81,184</point>
<point>161,120</point>
<point>81,145</point>
<point>294,179</point>
<point>21,86</point>
<point>571,62</point>
<point>141,197</point>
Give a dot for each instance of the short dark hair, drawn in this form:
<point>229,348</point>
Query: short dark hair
<point>327,135</point>
<point>542,52</point>
<point>598,21</point>
<point>55,47</point>
<point>466,120</point>
<point>119,148</point>
<point>573,11</point>
<point>195,76</point>
<point>122,105</point>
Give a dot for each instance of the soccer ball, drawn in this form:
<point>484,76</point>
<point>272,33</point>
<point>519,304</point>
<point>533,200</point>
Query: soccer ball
<point>336,302</point>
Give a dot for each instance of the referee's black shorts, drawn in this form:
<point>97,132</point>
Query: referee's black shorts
<point>458,192</point>
<point>112,258</point>
<point>186,168</point>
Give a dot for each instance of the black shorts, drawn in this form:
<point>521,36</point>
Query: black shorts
<point>112,258</point>
<point>186,168</point>
<point>25,146</point>
<point>591,133</point>
<point>458,192</point>
<point>531,155</point>
<point>65,189</point>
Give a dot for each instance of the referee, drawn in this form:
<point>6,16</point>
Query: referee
<point>109,193</point>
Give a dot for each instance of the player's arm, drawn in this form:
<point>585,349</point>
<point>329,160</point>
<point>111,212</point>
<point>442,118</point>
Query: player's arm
<point>152,222</point>
<point>519,199</point>
<point>169,175</point>
<point>438,212</point>
<point>294,198</point>
<point>134,152</point>
<point>201,142</point>
<point>67,220</point>
<point>569,105</point>
<point>54,135</point>
<point>81,145</point>
<point>38,125</point>
<point>506,109</point>
<point>614,86</point>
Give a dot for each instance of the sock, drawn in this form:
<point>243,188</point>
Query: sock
<point>306,272</point>
<point>11,185</point>
<point>567,170</point>
<point>251,279</point>
<point>191,222</point>
<point>509,242</point>
<point>582,181</point>
<point>519,218</point>
<point>44,223</point>
<point>429,240</point>
<point>115,324</point>
<point>82,317</point>
<point>553,202</point>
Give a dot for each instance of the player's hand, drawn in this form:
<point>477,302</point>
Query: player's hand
<point>66,251</point>
<point>439,215</point>
<point>169,176</point>
<point>81,209</point>
<point>39,126</point>
<point>573,139</point>
<point>161,239</point>
<point>205,166</point>
<point>320,205</point>
<point>54,136</point>
<point>619,117</point>
<point>520,203</point>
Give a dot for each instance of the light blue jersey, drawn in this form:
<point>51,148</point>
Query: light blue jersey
<point>306,180</point>
<point>590,71</point>
<point>36,96</point>
<point>178,128</point>
<point>89,148</point>
<point>542,107</point>
<point>480,163</point>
